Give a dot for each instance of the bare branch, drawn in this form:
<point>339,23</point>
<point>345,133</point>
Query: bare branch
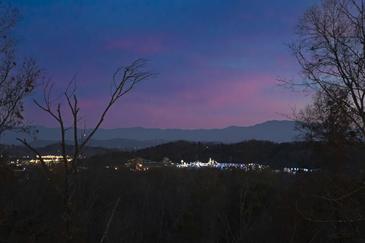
<point>330,50</point>
<point>39,156</point>
<point>110,220</point>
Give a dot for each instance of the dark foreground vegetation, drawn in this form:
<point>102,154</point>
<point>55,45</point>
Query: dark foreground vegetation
<point>177,205</point>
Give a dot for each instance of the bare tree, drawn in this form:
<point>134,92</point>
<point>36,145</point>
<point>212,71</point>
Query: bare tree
<point>124,80</point>
<point>330,49</point>
<point>17,79</point>
<point>331,52</point>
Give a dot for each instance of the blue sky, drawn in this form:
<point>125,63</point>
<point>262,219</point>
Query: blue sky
<point>218,60</point>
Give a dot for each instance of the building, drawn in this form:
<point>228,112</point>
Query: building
<point>50,159</point>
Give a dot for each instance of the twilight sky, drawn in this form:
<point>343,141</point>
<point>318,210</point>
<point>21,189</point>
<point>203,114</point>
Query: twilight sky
<point>218,60</point>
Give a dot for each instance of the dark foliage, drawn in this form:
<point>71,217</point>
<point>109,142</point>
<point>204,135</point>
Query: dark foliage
<point>171,205</point>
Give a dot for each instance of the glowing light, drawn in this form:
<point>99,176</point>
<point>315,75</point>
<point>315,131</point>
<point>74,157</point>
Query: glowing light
<point>48,159</point>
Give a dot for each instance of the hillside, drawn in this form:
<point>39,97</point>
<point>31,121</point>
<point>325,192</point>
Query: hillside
<point>139,138</point>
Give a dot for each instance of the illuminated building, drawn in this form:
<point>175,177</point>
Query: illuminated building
<point>50,159</point>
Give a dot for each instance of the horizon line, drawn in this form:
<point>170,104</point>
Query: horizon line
<point>142,127</point>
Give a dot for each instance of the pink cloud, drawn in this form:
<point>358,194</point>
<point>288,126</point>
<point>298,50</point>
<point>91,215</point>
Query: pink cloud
<point>203,98</point>
<point>223,101</point>
<point>238,102</point>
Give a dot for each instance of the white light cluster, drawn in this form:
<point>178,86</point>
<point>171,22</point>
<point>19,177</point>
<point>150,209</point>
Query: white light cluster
<point>222,166</point>
<point>296,170</point>
<point>50,159</point>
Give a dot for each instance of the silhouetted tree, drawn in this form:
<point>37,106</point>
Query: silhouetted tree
<point>17,77</point>
<point>326,120</point>
<point>330,49</point>
<point>326,125</point>
<point>124,80</point>
<point>331,52</point>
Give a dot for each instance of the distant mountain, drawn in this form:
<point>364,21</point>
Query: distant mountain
<point>138,137</point>
<point>115,143</point>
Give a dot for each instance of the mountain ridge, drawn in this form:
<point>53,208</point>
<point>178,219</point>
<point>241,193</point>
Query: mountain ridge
<point>274,131</point>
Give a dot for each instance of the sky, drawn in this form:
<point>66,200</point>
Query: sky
<point>217,61</point>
